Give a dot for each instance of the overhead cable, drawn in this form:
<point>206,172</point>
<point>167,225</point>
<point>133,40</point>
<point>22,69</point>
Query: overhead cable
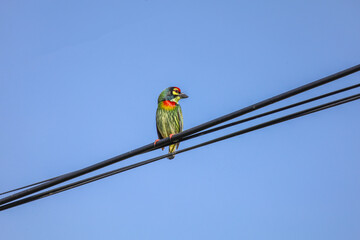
<point>237,133</point>
<point>230,124</point>
<point>168,141</point>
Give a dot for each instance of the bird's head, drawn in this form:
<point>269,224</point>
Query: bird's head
<point>172,94</point>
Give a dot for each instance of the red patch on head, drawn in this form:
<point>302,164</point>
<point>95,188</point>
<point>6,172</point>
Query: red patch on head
<point>176,88</point>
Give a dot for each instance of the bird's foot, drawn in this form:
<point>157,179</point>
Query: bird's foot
<point>156,142</point>
<point>171,135</point>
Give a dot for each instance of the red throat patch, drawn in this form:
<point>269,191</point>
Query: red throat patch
<point>168,103</point>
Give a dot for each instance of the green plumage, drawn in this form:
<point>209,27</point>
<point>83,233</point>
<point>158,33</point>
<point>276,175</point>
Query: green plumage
<point>169,122</point>
<point>169,118</point>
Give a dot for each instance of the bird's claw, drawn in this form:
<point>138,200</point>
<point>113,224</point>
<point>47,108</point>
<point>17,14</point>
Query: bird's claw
<point>156,142</point>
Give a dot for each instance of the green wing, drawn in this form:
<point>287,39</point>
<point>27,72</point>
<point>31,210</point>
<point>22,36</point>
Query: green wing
<point>180,122</point>
<point>180,118</point>
<point>157,127</point>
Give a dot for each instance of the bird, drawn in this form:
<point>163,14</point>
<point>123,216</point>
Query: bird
<point>169,118</point>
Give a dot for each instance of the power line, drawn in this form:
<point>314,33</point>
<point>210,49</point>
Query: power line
<point>230,124</point>
<point>176,137</point>
<point>237,133</point>
<point>27,186</point>
<point>270,112</point>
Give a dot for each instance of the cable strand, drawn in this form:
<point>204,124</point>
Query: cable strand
<point>229,124</point>
<point>237,133</point>
<point>188,132</point>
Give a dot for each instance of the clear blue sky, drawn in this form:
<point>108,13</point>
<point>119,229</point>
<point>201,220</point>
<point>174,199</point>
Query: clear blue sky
<point>79,82</point>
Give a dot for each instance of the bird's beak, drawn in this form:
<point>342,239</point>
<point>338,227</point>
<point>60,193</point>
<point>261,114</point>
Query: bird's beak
<point>183,95</point>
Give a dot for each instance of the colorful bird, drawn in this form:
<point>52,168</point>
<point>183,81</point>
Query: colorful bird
<point>169,118</point>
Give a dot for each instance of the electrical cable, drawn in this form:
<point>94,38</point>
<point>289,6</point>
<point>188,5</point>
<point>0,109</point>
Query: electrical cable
<point>168,141</point>
<point>269,112</point>
<point>126,168</point>
<point>231,124</point>
<point>27,186</point>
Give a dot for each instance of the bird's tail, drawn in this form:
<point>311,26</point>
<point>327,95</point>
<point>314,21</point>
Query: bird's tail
<point>172,149</point>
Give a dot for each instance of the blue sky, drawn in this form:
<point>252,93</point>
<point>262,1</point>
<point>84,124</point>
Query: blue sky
<point>79,81</point>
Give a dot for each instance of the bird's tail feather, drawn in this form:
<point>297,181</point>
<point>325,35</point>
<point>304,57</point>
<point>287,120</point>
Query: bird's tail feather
<point>172,149</point>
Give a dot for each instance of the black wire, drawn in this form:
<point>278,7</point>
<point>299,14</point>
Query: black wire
<point>237,133</point>
<point>27,186</point>
<point>168,141</point>
<point>269,112</point>
<point>231,124</point>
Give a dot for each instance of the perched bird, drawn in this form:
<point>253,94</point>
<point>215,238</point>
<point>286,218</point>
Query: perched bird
<point>169,118</point>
